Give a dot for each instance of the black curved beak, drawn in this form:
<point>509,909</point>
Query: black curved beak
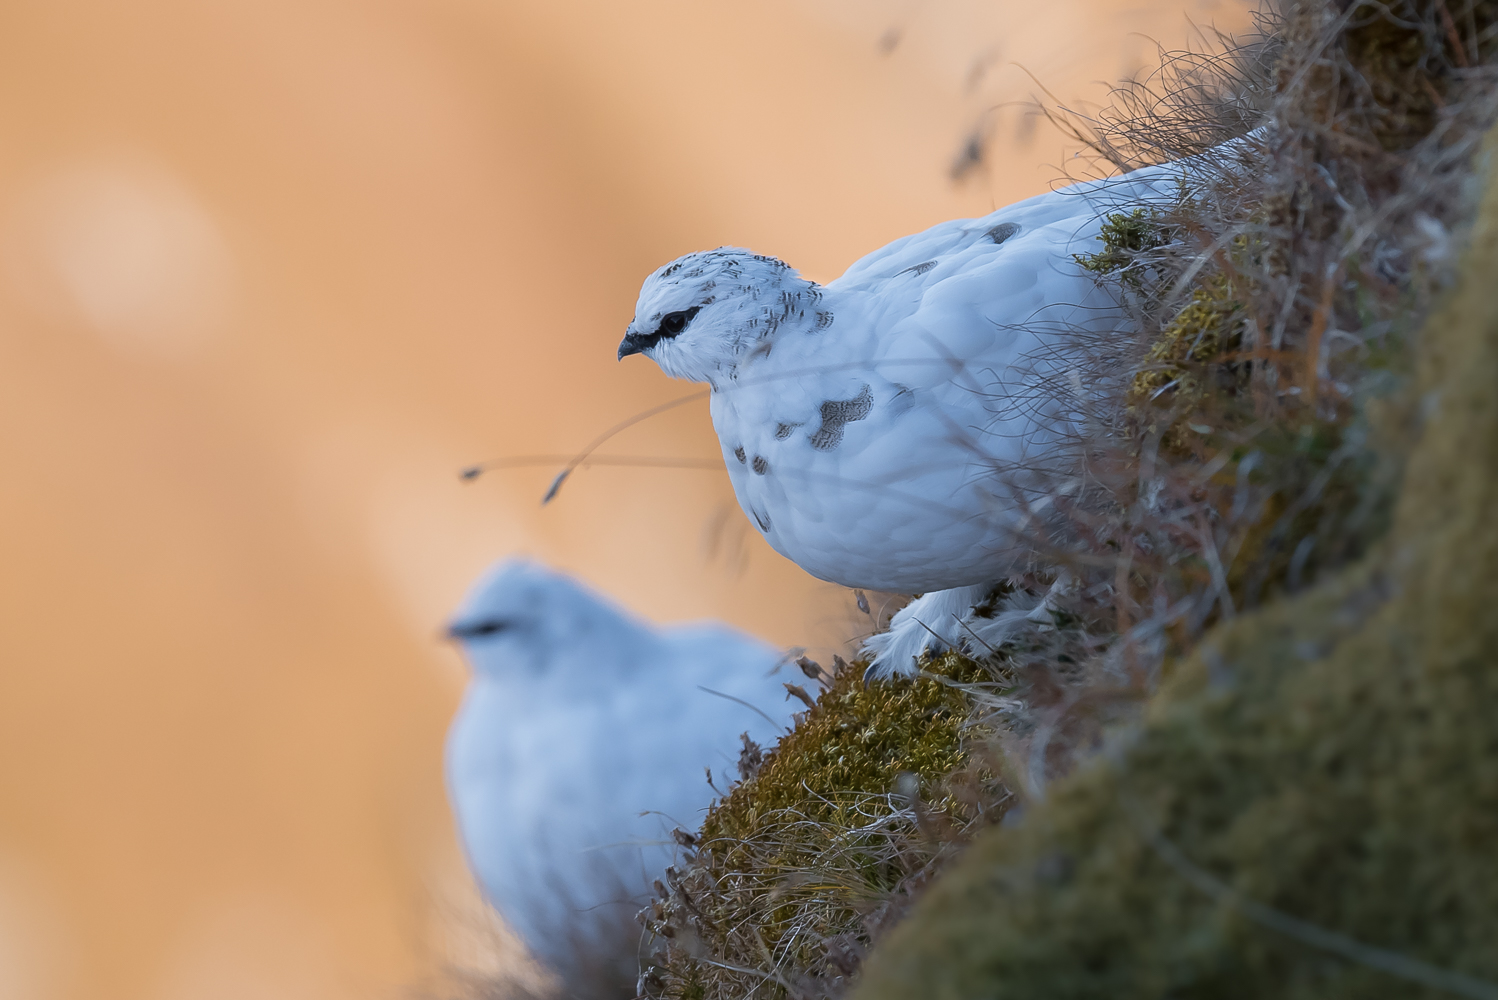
<point>634,343</point>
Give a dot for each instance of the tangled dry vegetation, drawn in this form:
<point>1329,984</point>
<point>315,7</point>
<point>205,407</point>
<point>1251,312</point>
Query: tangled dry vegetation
<point>1249,441</point>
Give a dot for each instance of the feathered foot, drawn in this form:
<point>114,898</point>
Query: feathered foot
<point>945,619</point>
<point>1054,602</point>
<point>932,622</point>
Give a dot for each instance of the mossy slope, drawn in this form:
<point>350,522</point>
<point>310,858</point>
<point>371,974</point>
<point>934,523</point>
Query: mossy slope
<point>802,862</point>
<point>1333,757</point>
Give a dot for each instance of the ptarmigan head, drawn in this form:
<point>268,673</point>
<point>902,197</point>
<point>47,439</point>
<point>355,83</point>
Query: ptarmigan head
<point>700,315</point>
<point>522,619</point>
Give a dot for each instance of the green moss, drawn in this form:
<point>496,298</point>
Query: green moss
<point>1331,503</point>
<point>1126,236</point>
<point>857,738</point>
<point>1331,759</point>
<point>797,865</point>
<point>1185,367</point>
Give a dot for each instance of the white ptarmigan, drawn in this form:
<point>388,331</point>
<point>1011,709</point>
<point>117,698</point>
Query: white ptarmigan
<point>895,429</point>
<point>580,745</point>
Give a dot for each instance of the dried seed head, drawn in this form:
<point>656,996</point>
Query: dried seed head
<point>799,692</point>
<point>750,758</point>
<point>811,668</point>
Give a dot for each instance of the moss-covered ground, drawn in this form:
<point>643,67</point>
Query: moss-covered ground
<point>795,868</point>
<point>1311,809</point>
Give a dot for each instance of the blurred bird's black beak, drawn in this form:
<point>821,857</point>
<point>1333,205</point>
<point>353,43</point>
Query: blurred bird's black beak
<point>633,343</point>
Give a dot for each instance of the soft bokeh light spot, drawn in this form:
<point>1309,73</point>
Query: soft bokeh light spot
<point>123,246</point>
<point>37,951</point>
<point>254,947</point>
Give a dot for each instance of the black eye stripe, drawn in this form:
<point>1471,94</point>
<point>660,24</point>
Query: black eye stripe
<point>477,630</point>
<point>675,322</point>
<point>669,325</point>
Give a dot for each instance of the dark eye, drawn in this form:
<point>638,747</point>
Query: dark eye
<point>674,323</point>
<point>478,630</point>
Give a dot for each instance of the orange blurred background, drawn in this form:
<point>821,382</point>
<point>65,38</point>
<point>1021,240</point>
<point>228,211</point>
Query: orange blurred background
<point>270,273</point>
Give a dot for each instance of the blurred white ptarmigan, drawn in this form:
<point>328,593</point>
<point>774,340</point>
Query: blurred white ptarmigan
<point>579,718</point>
<point>892,429</point>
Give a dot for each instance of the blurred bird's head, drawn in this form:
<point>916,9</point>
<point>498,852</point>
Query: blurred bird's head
<point>700,315</point>
<point>523,618</point>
